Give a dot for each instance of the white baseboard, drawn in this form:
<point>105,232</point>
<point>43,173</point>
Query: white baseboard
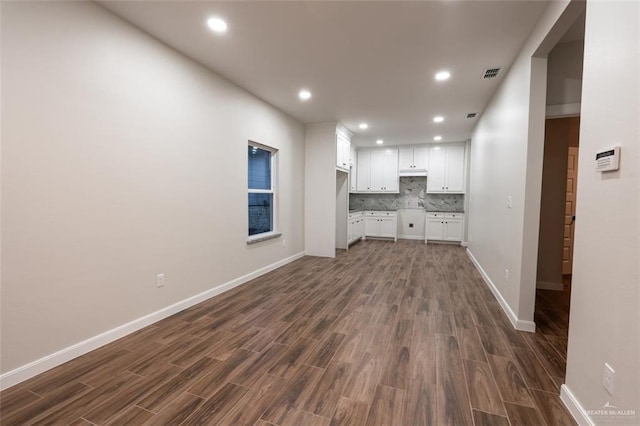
<point>545,285</point>
<point>464,244</point>
<point>410,237</point>
<point>517,323</point>
<point>48,362</point>
<point>575,408</point>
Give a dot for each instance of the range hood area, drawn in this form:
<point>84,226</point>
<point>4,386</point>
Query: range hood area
<point>409,173</point>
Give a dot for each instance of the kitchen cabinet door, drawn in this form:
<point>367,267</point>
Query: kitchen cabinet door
<point>371,226</point>
<point>436,174</point>
<point>454,169</point>
<point>420,157</point>
<point>343,148</point>
<point>353,170</point>
<point>453,230</point>
<point>363,182</point>
<point>434,229</point>
<point>405,158</point>
<point>388,227</point>
<point>390,171</point>
<point>377,170</point>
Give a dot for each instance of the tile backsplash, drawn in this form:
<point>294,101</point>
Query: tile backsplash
<point>412,196</point>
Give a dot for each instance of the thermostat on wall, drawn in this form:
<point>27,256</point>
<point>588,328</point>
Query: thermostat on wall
<point>608,159</point>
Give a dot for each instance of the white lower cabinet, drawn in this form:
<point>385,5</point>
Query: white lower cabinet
<point>381,224</point>
<point>355,227</point>
<point>444,227</point>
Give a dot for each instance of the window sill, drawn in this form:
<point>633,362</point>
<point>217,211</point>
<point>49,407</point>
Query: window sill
<point>263,237</point>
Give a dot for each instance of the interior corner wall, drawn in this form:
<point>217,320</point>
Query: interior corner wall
<point>604,323</point>
<point>501,164</point>
<point>320,190</point>
<point>122,159</point>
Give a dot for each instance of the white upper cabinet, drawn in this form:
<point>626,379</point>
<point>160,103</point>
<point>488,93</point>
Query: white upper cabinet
<point>454,178</point>
<point>363,183</point>
<point>377,170</point>
<point>353,172</point>
<point>413,158</point>
<point>390,182</point>
<point>446,169</point>
<point>343,152</point>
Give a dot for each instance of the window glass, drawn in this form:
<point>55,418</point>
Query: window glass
<point>259,168</point>
<point>260,213</point>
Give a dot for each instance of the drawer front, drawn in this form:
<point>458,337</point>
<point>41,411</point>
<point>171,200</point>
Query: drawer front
<point>388,214</point>
<point>435,215</point>
<point>454,215</point>
<point>372,213</point>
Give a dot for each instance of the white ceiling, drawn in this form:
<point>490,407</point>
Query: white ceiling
<point>363,61</point>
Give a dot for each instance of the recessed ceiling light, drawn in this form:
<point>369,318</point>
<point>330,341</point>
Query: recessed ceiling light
<point>363,126</point>
<point>217,25</point>
<point>379,141</point>
<point>443,75</point>
<point>437,138</point>
<point>438,119</point>
<point>304,94</point>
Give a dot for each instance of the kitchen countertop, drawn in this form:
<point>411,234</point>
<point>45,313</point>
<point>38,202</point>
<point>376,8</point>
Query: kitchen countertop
<point>409,208</point>
<point>372,210</point>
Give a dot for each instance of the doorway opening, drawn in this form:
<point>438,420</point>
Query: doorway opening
<point>558,197</point>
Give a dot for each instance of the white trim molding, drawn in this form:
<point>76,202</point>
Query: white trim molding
<point>410,237</point>
<point>563,110</point>
<point>575,408</point>
<point>517,323</point>
<point>48,362</point>
<point>545,285</point>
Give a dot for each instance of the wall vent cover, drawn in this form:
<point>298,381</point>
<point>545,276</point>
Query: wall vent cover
<point>490,73</point>
<point>472,114</point>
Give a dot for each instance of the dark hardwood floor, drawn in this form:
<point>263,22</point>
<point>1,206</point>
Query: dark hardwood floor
<point>385,334</point>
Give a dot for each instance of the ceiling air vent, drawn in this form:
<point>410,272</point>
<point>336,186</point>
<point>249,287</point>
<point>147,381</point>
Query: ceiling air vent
<point>490,73</point>
<point>472,114</point>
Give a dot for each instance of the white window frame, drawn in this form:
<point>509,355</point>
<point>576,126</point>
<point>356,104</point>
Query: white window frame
<point>274,233</point>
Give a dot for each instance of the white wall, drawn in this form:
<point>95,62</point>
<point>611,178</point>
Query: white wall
<point>406,217</point>
<point>122,159</point>
<point>605,299</point>
<point>564,73</point>
<point>320,190</point>
<point>506,161</point>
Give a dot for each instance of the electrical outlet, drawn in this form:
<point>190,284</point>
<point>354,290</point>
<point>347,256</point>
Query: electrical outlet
<point>411,225</point>
<point>509,201</point>
<point>506,275</point>
<point>160,280</point>
<point>607,378</point>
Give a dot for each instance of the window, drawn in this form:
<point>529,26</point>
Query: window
<point>263,197</point>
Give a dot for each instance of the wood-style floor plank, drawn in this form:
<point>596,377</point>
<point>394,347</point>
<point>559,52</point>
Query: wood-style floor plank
<point>483,390</point>
<point>387,407</point>
<point>480,418</point>
<point>350,413</point>
<point>387,333</point>
<point>524,416</point>
<point>453,405</point>
<point>326,395</point>
<point>552,409</point>
<point>510,383</point>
